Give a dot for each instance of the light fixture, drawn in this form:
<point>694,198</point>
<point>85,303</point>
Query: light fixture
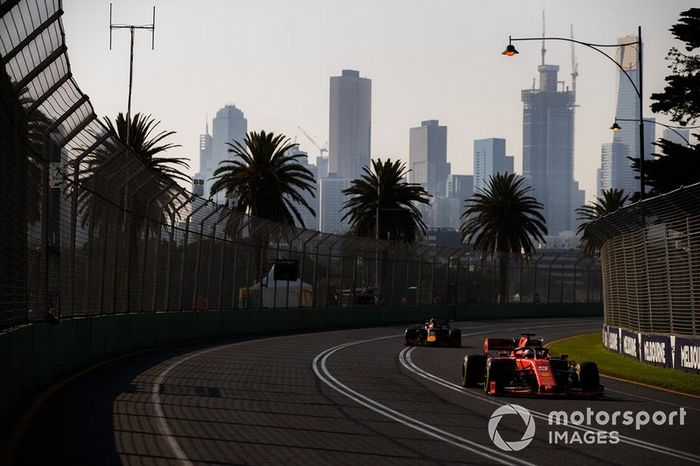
<point>510,51</point>
<point>615,127</point>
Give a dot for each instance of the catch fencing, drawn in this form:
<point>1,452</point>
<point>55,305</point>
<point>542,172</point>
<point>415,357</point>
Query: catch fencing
<point>88,229</point>
<point>650,255</point>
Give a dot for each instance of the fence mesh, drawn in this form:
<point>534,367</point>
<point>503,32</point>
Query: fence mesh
<point>650,259</point>
<point>89,230</point>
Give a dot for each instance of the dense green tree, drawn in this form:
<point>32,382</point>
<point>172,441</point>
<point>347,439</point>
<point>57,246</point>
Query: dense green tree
<point>503,219</point>
<point>383,189</point>
<point>265,178</point>
<point>609,202</point>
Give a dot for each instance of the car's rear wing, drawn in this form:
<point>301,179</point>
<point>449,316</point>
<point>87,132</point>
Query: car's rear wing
<point>498,344</point>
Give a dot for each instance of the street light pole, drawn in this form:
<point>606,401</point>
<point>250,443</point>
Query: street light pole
<point>616,127</point>
<point>511,51</point>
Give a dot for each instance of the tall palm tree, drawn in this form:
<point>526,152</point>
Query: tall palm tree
<point>140,134</point>
<point>503,219</point>
<point>609,202</point>
<point>112,159</point>
<point>265,178</point>
<point>384,191</point>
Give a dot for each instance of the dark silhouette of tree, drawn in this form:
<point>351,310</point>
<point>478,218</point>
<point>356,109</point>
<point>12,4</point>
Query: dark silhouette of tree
<point>126,163</point>
<point>384,189</point>
<point>678,164</point>
<point>503,219</point>
<point>611,201</point>
<point>265,179</point>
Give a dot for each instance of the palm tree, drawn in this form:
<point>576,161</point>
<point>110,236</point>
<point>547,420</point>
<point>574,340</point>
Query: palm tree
<point>141,136</point>
<point>265,178</point>
<point>384,191</point>
<point>112,159</point>
<point>611,200</point>
<point>503,219</point>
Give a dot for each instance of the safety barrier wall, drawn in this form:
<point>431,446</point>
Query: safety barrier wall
<point>671,351</point>
<point>36,355</point>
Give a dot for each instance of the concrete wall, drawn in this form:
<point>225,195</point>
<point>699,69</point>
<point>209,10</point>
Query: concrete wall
<point>34,356</point>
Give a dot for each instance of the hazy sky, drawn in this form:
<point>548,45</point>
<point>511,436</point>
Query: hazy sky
<point>427,59</point>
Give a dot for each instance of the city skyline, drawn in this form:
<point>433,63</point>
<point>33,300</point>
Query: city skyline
<point>453,72</point>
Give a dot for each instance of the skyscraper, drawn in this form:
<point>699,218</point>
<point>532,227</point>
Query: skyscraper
<point>490,158</point>
<point>428,156</point>
<point>548,147</point>
<point>350,124</point>
<point>331,200</point>
<point>626,140</point>
<point>229,125</point>
<point>460,186</point>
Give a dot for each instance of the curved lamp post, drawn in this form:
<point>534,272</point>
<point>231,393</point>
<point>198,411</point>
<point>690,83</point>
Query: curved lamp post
<point>511,51</point>
<point>615,127</point>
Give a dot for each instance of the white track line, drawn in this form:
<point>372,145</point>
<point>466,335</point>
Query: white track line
<point>321,371</point>
<point>405,358</point>
<point>161,420</point>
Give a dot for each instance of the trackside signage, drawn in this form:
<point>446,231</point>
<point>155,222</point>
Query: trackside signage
<point>660,350</point>
<point>630,344</point>
<point>687,354</point>
<point>611,338</point>
<point>589,427</point>
<point>656,350</point>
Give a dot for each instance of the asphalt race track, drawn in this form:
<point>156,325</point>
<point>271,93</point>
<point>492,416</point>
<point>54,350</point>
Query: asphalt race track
<point>342,397</point>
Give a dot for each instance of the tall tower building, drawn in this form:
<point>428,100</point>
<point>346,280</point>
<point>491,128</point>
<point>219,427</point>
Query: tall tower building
<point>548,147</point>
<point>205,149</point>
<point>229,125</point>
<point>331,200</point>
<point>626,140</point>
<point>350,124</point>
<point>428,156</point>
<point>490,158</point>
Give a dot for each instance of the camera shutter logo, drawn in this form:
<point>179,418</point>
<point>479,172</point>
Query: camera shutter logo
<point>529,427</point>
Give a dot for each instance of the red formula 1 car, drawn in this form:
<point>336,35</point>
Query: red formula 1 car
<point>524,367</point>
<point>434,333</point>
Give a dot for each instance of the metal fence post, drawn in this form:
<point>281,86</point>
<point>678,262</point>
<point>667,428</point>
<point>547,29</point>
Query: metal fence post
<point>301,268</point>
<point>549,279</point>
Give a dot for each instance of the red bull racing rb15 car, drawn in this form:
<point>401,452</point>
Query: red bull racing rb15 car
<point>434,333</point>
<point>524,367</point>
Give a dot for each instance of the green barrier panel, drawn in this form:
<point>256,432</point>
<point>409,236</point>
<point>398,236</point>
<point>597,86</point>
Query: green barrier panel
<point>5,383</point>
<point>21,360</point>
<point>82,343</point>
<point>44,367</point>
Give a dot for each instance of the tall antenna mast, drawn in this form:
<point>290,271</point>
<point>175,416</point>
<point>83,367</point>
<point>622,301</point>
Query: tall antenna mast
<point>544,50</point>
<point>132,28</point>
<point>574,65</point>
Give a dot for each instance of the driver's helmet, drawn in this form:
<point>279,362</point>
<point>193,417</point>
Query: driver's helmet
<point>529,353</point>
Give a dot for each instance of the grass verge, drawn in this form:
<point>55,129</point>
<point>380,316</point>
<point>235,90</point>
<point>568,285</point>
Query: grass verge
<point>589,347</point>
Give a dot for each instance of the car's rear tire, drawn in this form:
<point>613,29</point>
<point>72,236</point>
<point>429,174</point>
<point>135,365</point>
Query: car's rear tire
<point>498,372</point>
<point>455,337</point>
<point>473,370</point>
<point>411,336</point>
<point>588,375</point>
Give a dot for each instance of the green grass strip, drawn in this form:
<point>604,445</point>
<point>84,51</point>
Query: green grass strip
<point>589,347</point>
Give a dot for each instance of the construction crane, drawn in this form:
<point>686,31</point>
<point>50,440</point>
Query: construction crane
<point>574,64</point>
<point>323,149</point>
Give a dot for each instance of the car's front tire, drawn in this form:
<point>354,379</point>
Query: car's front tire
<point>473,370</point>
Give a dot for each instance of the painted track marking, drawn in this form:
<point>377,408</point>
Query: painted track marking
<point>406,361</point>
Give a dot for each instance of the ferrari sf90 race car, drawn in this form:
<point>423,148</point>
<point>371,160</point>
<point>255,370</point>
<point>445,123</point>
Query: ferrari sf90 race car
<point>434,333</point>
<point>524,367</point>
